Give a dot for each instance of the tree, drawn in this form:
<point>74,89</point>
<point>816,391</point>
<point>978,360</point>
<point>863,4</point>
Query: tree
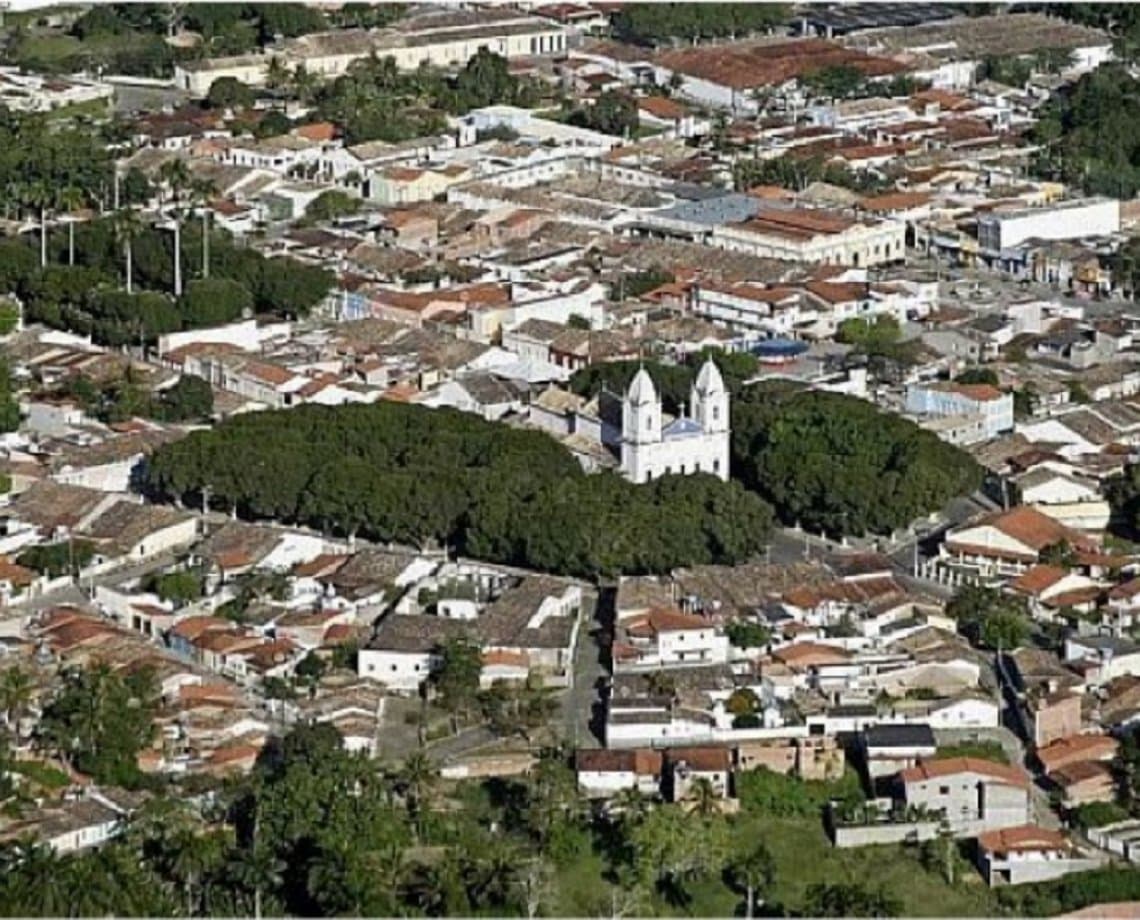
<point>331,205</point>
<point>871,336</point>
<point>179,587</point>
<point>457,677</point>
<point>191,399</point>
<point>416,780</point>
<point>175,176</point>
<point>753,870</point>
<point>614,112</point>
<point>215,302</point>
<point>70,199</point>
<point>784,443</point>
<point>257,871</point>
<point>17,691</point>
<point>230,93</point>
<point>41,196</point>
<point>973,375</point>
<point>992,618</point>
<point>311,669</point>
<point>849,899</point>
<point>841,81</point>
<point>100,722</point>
<point>127,227</point>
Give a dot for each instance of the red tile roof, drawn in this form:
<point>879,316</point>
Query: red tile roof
<point>1027,838</point>
<point>927,770</point>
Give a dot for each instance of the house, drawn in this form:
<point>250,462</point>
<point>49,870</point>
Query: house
<point>887,749</point>
<point>129,531</point>
<point>1076,749</point>
<point>1084,782</point>
<point>973,795</point>
<point>942,400</point>
<point>1051,588</point>
<point>1006,543</point>
<point>665,638</point>
<point>816,757</point>
<point>71,825</point>
<point>1029,853</point>
<point>1107,656</point>
<point>1072,500</point>
<point>403,185</point>
<point>685,767</point>
<point>602,773</point>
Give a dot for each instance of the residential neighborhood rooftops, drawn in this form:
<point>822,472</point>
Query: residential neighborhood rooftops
<point>931,769</point>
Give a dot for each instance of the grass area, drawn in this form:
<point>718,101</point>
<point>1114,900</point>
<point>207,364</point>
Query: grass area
<point>804,856</point>
<point>93,108</point>
<point>982,750</point>
<point>41,774</point>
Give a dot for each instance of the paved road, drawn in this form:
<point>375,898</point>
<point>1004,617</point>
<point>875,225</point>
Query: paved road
<point>580,703</point>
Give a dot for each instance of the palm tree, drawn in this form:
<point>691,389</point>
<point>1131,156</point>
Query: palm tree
<point>202,190</point>
<point>127,226</point>
<point>17,690</point>
<point>175,178</point>
<point>40,195</point>
<point>304,83</point>
<point>276,74</point>
<point>71,199</point>
<point>194,854</point>
<point>42,887</point>
<point>257,870</point>
<point>416,779</point>
<point>753,871</point>
<point>704,798</point>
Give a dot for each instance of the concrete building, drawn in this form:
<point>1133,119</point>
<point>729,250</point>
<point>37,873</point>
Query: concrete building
<point>443,39</point>
<point>1065,220</point>
<point>973,795</point>
<point>1029,853</point>
<point>955,400</point>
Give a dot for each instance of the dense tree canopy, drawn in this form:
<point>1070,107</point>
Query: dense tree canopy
<point>413,475</point>
<point>837,463</point>
<point>1087,133</point>
<point>87,298</point>
<point>657,23</point>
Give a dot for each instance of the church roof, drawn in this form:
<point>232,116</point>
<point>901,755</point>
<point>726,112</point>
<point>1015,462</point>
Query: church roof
<point>709,379</point>
<point>682,427</point>
<point>641,389</point>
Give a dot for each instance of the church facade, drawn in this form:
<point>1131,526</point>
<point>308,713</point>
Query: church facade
<point>696,442</point>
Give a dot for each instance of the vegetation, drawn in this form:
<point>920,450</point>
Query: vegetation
<point>768,793</point>
<point>417,476</point>
<point>68,557</point>
<point>1123,494</point>
<point>785,445</point>
<point>374,100</point>
<point>1097,814</point>
<point>190,399</point>
<point>798,172</point>
<point>635,284</point>
<point>1086,137</point>
<point>86,297</point>
<point>655,24</point>
<point>980,750</point>
<point>972,375</point>
<point>614,112</point>
<point>98,721</point>
<point>871,336</point>
<point>990,617</point>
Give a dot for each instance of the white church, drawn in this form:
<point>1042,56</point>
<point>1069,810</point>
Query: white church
<point>632,434</point>
<point>693,443</point>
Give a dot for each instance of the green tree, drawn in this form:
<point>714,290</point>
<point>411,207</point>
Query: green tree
<point>456,679</point>
<point>214,302</point>
<point>100,721</point>
<point>754,870</point>
<point>191,399</point>
<point>849,899</point>
<point>229,93</point>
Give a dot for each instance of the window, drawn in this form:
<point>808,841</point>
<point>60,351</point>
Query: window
<point>943,790</point>
<point>393,667</point>
<point>716,466</point>
<point>648,422</point>
<point>716,413</point>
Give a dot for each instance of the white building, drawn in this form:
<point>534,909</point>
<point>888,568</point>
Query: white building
<point>1065,220</point>
<point>994,407</point>
<point>690,444</point>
